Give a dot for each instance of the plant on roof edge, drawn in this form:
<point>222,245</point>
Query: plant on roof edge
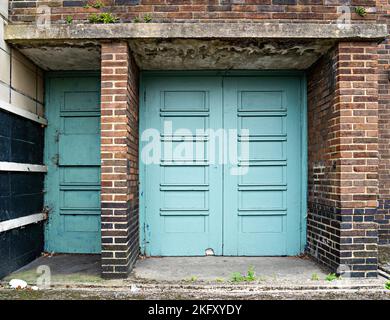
<point>360,11</point>
<point>105,17</point>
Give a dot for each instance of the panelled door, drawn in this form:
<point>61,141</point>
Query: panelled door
<point>236,187</point>
<point>262,204</point>
<point>182,192</point>
<point>72,152</point>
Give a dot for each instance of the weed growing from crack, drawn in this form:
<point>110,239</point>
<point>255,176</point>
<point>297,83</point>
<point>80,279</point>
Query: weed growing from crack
<point>332,277</point>
<point>360,11</point>
<point>192,279</point>
<point>148,18</point>
<point>315,277</point>
<point>105,17</point>
<point>249,277</point>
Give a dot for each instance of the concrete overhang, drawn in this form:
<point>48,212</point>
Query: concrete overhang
<point>188,45</point>
<point>15,32</point>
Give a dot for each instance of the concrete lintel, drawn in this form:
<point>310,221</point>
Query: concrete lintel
<point>15,33</point>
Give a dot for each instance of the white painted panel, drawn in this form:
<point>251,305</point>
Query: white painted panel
<point>21,222</point>
<point>22,112</point>
<point>4,93</point>
<point>13,166</point>
<point>26,103</point>
<point>4,8</point>
<point>24,76</point>
<point>5,66</point>
<point>3,44</point>
<point>40,87</point>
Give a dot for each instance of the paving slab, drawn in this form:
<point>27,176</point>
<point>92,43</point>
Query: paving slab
<point>63,268</point>
<point>211,268</point>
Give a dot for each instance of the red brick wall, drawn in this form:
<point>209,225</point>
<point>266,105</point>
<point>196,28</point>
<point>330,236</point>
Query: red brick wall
<point>196,10</point>
<point>322,238</point>
<point>383,214</point>
<point>119,163</point>
<point>343,158</point>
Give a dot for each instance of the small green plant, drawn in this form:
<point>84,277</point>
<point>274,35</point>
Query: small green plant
<point>250,275</point>
<point>192,279</point>
<point>237,277</point>
<point>148,18</point>
<point>360,11</point>
<point>94,18</point>
<point>136,20</point>
<point>332,277</point>
<point>219,280</point>
<point>97,4</point>
<point>69,19</point>
<point>315,277</point>
<point>105,17</point>
<point>108,17</point>
<point>387,285</point>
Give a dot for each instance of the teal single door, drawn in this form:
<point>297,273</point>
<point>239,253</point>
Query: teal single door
<point>182,195</point>
<point>72,152</point>
<point>262,206</point>
<point>237,188</point>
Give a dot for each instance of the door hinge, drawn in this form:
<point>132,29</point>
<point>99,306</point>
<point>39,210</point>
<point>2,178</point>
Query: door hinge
<point>57,136</point>
<point>56,159</point>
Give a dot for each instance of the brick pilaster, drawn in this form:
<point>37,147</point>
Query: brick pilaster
<point>357,147</point>
<point>383,212</point>
<point>343,158</point>
<point>119,159</point>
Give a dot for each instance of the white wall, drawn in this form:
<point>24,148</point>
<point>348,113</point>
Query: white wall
<point>21,82</point>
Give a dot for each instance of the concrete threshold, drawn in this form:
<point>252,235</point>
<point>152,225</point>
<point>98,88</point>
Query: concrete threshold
<point>78,277</point>
<point>138,290</point>
<point>129,290</point>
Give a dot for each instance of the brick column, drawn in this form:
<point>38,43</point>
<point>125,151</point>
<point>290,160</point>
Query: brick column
<point>383,212</point>
<point>119,160</point>
<point>343,159</point>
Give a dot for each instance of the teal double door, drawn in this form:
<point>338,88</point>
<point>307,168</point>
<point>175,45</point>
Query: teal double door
<point>72,154</point>
<point>221,165</point>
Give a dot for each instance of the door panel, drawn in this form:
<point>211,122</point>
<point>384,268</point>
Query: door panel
<point>192,200</point>
<point>73,156</point>
<point>262,207</point>
<point>182,195</point>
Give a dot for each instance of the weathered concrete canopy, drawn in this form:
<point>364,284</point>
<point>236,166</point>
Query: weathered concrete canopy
<point>183,54</point>
<point>15,33</point>
<point>159,46</point>
<point>227,54</point>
